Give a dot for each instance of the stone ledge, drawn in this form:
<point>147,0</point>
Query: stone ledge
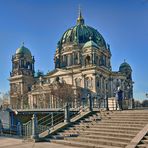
<point>134,142</point>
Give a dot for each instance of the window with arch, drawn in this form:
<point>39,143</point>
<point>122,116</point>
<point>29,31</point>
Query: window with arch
<point>78,81</point>
<point>87,60</point>
<point>97,82</point>
<point>88,82</point>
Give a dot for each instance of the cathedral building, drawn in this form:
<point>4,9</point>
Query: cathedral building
<point>82,59</point>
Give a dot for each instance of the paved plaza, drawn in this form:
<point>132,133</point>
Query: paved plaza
<point>6,142</point>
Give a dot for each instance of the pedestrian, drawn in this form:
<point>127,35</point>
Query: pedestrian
<point>1,127</point>
<point>120,98</point>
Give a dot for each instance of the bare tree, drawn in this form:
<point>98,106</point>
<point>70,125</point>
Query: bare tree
<point>65,93</point>
<point>145,103</point>
<point>137,103</point>
<point>5,100</point>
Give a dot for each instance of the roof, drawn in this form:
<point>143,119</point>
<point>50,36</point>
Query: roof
<point>23,50</point>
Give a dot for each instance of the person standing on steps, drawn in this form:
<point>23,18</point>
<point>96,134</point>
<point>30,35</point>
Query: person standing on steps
<point>1,127</point>
<point>120,98</point>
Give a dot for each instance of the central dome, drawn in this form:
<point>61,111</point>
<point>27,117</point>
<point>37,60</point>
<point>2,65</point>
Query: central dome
<point>81,34</point>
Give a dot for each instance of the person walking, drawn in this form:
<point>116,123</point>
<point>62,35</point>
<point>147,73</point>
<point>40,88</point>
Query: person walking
<point>120,99</point>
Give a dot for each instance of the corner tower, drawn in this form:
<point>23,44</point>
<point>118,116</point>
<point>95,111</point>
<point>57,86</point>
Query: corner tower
<point>21,77</point>
<point>126,69</point>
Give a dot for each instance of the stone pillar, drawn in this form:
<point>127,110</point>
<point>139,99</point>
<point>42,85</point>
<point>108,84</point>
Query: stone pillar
<point>67,118</point>
<point>83,81</point>
<point>73,57</point>
<point>78,58</point>
<point>52,119</point>
<point>34,128</point>
<point>19,129</point>
<point>94,83</point>
<point>93,58</point>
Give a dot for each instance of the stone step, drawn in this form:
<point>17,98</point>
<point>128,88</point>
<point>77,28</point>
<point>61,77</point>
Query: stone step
<point>119,123</point>
<point>128,122</point>
<point>109,130</point>
<point>129,115</point>
<point>81,144</point>
<point>114,129</point>
<point>106,137</point>
<point>142,146</point>
<point>144,141</point>
<point>99,141</point>
<point>131,112</point>
<point>100,124</point>
<point>129,119</point>
<point>146,137</point>
<point>110,133</point>
<point>129,135</point>
<point>108,127</point>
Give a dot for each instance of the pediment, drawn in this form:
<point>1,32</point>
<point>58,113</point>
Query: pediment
<point>58,72</point>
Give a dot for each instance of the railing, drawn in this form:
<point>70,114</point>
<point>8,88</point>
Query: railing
<point>35,127</point>
<point>8,130</point>
<point>50,120</point>
<point>27,129</point>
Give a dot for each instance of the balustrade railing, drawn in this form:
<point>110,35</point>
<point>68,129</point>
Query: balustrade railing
<point>8,130</point>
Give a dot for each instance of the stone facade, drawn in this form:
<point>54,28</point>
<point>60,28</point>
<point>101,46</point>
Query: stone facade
<point>82,59</point>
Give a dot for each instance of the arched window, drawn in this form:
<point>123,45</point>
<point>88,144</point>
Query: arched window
<point>87,60</point>
<point>88,82</point>
<point>78,81</point>
<point>97,82</point>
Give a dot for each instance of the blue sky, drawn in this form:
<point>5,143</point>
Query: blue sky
<point>41,23</point>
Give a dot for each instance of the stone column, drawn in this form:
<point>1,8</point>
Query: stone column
<point>73,57</point>
<point>19,129</point>
<point>34,128</point>
<point>78,58</point>
<point>67,118</point>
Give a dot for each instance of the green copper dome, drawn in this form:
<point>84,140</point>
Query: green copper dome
<point>125,67</point>
<point>23,50</point>
<point>81,33</point>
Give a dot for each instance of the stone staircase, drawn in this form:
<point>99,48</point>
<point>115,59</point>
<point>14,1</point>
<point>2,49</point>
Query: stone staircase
<point>144,142</point>
<point>108,129</point>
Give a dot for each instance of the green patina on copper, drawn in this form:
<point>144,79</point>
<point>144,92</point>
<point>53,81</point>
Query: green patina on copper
<point>81,33</point>
<point>23,50</point>
<point>125,67</point>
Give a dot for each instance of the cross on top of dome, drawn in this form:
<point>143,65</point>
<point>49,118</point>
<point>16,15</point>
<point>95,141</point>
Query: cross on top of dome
<point>80,20</point>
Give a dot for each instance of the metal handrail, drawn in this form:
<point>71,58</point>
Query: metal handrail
<point>44,117</point>
<point>10,130</point>
<point>42,126</point>
<point>61,109</point>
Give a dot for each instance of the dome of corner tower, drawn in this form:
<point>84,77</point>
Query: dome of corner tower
<point>23,50</point>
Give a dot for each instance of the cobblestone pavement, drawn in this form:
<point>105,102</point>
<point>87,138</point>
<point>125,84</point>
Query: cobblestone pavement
<point>19,143</point>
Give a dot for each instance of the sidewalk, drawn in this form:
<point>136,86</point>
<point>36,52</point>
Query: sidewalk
<point>18,143</point>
